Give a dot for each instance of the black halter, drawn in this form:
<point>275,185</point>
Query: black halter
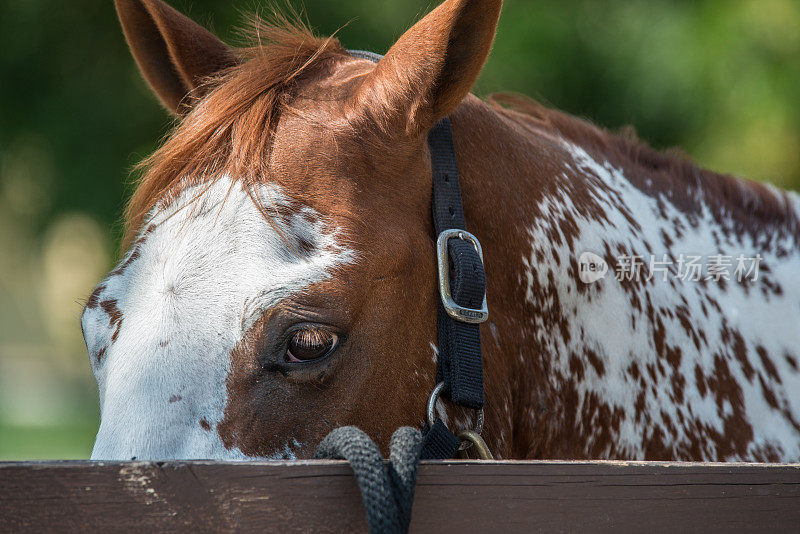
<point>462,303</point>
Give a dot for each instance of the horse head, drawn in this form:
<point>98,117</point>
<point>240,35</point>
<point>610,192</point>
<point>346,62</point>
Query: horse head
<point>279,278</point>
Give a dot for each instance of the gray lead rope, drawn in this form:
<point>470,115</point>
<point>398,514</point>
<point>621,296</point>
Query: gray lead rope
<point>387,490</point>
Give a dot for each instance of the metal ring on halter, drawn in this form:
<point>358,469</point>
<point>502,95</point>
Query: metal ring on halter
<point>432,409</point>
<point>469,438</point>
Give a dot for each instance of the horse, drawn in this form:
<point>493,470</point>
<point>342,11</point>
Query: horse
<point>278,276</point>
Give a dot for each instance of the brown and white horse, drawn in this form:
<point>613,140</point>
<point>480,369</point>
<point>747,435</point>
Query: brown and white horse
<point>280,275</point>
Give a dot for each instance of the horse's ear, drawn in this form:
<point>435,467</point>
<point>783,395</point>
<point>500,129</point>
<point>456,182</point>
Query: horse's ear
<point>434,65</point>
<point>174,53</point>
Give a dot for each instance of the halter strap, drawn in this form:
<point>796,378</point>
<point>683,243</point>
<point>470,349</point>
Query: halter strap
<point>459,362</point>
<point>364,54</point>
<point>462,286</point>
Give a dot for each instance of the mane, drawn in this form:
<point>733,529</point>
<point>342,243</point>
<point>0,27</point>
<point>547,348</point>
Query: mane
<point>691,187</point>
<point>216,136</point>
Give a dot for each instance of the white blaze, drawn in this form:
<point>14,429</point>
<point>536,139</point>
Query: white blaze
<point>204,274</point>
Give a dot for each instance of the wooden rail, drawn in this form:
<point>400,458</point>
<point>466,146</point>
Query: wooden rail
<point>495,497</point>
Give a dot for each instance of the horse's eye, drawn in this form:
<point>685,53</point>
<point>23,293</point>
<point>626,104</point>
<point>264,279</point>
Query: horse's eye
<point>309,345</point>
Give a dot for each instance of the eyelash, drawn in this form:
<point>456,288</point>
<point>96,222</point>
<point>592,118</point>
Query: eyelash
<point>311,339</point>
<point>313,336</point>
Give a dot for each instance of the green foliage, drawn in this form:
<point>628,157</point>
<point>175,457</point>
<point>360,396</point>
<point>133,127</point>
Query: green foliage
<point>69,441</point>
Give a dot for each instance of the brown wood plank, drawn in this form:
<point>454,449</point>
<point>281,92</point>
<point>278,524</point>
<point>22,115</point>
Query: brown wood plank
<point>451,497</point>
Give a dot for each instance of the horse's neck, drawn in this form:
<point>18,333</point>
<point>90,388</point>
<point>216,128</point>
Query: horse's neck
<point>566,360</point>
<point>505,175</point>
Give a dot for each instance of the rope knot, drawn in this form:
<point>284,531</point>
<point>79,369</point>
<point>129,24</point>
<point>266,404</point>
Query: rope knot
<point>386,489</point>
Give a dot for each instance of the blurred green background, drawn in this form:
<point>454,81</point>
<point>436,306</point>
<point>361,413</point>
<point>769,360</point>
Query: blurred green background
<point>718,78</point>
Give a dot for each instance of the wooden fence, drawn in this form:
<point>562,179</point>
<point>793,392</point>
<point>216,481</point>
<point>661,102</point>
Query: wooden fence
<point>320,496</point>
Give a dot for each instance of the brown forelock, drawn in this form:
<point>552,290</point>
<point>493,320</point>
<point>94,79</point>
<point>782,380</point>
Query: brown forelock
<point>231,129</point>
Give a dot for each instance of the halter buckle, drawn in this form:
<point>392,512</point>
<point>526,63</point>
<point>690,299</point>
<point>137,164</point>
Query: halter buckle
<point>459,313</point>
